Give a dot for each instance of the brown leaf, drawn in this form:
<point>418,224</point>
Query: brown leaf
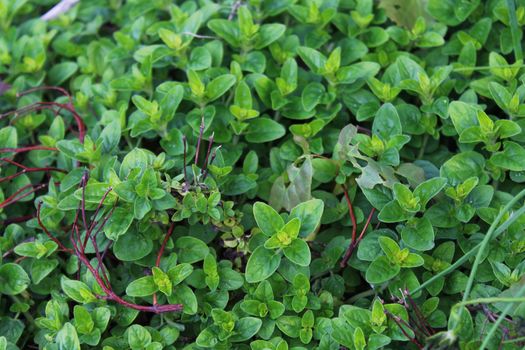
<point>404,12</point>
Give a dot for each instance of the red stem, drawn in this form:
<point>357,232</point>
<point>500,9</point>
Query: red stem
<point>83,183</point>
<point>351,212</point>
<point>18,219</point>
<point>205,174</point>
<point>69,106</point>
<point>421,322</point>
<point>353,244</point>
<point>103,281</point>
<point>13,198</point>
<point>367,223</point>
<point>185,143</point>
<point>26,170</point>
<point>201,131</point>
<point>210,144</point>
<point>163,246</point>
<point>400,322</point>
<point>45,87</point>
<point>27,149</point>
<point>53,238</point>
<point>95,222</point>
<point>161,251</point>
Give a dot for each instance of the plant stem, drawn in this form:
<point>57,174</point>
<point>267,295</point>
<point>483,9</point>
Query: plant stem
<point>351,212</point>
<point>27,149</point>
<point>516,340</point>
<point>26,314</point>
<point>26,170</point>
<point>514,30</point>
<point>492,300</point>
<point>483,246</point>
<point>423,147</point>
<point>500,319</point>
<point>470,253</point>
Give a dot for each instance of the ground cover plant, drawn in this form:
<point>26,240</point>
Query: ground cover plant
<point>278,174</point>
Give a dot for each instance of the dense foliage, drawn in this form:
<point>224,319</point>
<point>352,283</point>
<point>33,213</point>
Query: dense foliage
<point>277,174</point>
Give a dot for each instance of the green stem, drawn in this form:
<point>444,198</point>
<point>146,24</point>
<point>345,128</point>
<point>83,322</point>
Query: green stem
<point>461,69</point>
<point>26,314</point>
<point>500,319</point>
<point>423,147</point>
<point>366,293</point>
<point>484,244</point>
<point>515,340</point>
<point>128,140</point>
<point>514,30</point>
<point>492,300</point>
<point>471,252</point>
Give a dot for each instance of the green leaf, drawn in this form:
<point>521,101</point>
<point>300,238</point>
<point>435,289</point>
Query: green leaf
<point>218,86</point>
<point>227,30</point>
<point>162,281</point>
<point>310,213</point>
<point>40,269</point>
<point>171,101</point>
<point>343,332</point>
<point>313,59</point>
<point>386,123</point>
<point>245,328</point>
<point>392,212</point>
<point>179,273</point>
<point>138,337</point>
<point>182,294</point>
<point>119,223</point>
<point>418,234</point>
<point>268,220</point>
<point>110,136</point>
<point>62,72</point>
<point>463,166</point>
<point>389,247</point>
<point>289,325</point>
<point>428,189</point>
<point>261,264</point>
<point>69,148</point>
<point>507,128</point>
<point>448,11</point>
<point>412,260</point>
<point>381,270</point>
<point>298,252</point>
<point>463,115</point>
<point>243,96</point>
<point>34,249</point>
<point>312,95</point>
<point>67,337</point>
<point>136,159</point>
<point>77,290</point>
<point>357,71</point>
<point>191,249</point>
<point>83,320</point>
<point>501,95</point>
<point>512,157</point>
<point>132,246</point>
<point>13,279</point>
<point>142,287</point>
<point>147,107</point>
<point>406,199</point>
<point>262,130</point>
<point>200,59</point>
<point>268,33</point>
<point>8,137</point>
